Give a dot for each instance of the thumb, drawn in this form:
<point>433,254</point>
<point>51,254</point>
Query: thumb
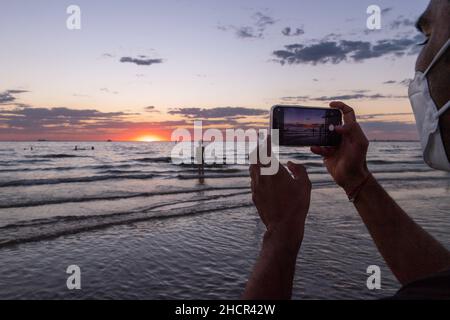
<point>297,170</point>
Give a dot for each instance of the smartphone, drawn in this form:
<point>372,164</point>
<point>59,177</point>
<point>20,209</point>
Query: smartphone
<point>306,126</point>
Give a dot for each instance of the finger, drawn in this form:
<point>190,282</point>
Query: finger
<point>352,132</point>
<point>282,171</point>
<point>254,173</point>
<point>253,156</point>
<point>297,170</point>
<point>265,152</point>
<point>325,152</point>
<point>257,152</point>
<point>253,186</point>
<point>317,150</point>
<point>269,145</point>
<point>347,111</point>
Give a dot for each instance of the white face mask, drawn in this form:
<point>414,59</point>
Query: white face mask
<point>427,117</point>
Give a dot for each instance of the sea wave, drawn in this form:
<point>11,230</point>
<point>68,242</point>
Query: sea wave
<point>211,176</point>
<point>154,159</point>
<point>116,196</point>
<point>313,164</point>
<point>37,230</point>
<point>19,161</point>
<point>39,169</point>
<point>303,156</point>
<point>68,168</point>
<point>36,182</point>
<point>56,156</point>
<point>394,162</point>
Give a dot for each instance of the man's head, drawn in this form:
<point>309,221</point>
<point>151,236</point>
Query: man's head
<point>435,25</point>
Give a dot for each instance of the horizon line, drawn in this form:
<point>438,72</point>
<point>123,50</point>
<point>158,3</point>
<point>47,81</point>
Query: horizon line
<point>134,141</point>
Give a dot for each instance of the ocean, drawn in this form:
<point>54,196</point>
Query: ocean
<point>141,227</point>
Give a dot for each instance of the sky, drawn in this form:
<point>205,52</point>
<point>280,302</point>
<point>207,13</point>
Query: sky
<point>137,70</point>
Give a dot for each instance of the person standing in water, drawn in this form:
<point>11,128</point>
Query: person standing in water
<point>200,159</point>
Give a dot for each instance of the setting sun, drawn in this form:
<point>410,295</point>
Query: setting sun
<point>148,138</point>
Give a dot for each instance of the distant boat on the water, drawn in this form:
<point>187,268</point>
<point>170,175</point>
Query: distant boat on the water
<point>109,140</point>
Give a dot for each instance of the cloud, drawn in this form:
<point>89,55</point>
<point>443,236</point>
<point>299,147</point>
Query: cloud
<point>217,113</point>
<point>247,32</point>
<point>288,32</point>
<point>8,96</point>
<point>357,95</point>
<point>106,90</point>
<point>127,126</point>
<point>260,22</point>
<point>31,123</point>
<point>41,120</point>
<point>326,51</point>
<point>386,10</point>
<point>402,22</point>
<point>263,20</point>
<point>141,60</point>
<point>333,37</point>
<point>17,91</point>
<point>25,123</point>
<point>65,123</point>
<point>296,98</point>
<point>150,109</point>
<point>404,82</point>
<point>25,117</point>
<point>382,115</point>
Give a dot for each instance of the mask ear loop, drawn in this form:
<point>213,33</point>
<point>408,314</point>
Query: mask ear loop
<point>444,109</point>
<point>438,56</point>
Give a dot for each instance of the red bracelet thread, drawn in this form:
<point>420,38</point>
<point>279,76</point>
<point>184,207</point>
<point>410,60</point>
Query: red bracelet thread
<point>355,192</point>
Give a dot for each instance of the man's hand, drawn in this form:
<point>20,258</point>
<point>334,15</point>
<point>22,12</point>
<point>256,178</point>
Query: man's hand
<point>282,201</point>
<point>347,162</point>
<point>398,238</point>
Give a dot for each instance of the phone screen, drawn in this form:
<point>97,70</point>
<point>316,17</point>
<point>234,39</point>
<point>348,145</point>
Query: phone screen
<point>306,126</point>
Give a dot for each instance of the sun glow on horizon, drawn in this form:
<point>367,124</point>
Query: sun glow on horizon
<point>148,138</point>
